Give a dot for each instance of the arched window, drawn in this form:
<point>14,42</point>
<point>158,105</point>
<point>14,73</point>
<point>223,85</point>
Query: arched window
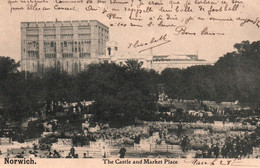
<point>109,50</point>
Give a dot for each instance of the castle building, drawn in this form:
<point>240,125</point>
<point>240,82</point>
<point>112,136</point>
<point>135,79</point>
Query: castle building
<point>71,46</point>
<point>67,45</point>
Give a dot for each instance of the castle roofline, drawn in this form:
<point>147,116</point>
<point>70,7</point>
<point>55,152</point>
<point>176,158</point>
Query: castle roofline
<point>81,22</point>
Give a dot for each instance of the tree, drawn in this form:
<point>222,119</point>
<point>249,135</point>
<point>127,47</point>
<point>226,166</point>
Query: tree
<point>120,92</point>
<point>133,65</point>
<point>171,78</point>
<point>58,86</point>
<point>238,73</point>
<point>201,83</point>
<point>7,66</point>
<point>18,97</point>
<point>235,76</point>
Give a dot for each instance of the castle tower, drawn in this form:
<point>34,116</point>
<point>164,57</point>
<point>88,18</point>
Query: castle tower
<point>67,45</point>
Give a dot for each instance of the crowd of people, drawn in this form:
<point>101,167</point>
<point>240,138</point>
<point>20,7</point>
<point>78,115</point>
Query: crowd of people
<point>210,144</point>
<point>218,146</point>
<point>237,147</point>
<point>232,147</point>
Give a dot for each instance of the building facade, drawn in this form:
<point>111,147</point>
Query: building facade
<point>161,62</point>
<point>181,61</point>
<point>155,62</point>
<point>72,45</point>
<point>67,45</point>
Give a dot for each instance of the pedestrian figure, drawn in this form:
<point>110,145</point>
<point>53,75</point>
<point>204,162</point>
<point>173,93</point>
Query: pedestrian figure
<point>104,152</point>
<point>72,151</point>
<point>179,130</point>
<point>122,152</point>
<point>224,151</point>
<point>216,151</point>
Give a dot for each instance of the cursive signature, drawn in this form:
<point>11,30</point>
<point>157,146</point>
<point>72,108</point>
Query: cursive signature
<point>214,162</point>
<point>154,42</point>
<point>211,162</point>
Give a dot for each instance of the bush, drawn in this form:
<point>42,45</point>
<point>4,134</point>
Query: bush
<point>49,139</point>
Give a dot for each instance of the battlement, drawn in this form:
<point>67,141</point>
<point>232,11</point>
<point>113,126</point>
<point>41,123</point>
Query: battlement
<point>62,23</point>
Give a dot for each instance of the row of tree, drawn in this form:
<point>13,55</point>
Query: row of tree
<point>123,92</point>
<point>235,76</point>
<point>119,92</point>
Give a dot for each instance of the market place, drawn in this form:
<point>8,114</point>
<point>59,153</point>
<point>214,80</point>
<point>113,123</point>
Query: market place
<point>77,134</point>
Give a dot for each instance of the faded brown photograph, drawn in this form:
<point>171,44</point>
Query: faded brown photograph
<point>139,79</point>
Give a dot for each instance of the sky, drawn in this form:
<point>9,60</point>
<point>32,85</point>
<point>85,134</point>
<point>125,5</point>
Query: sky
<point>207,47</point>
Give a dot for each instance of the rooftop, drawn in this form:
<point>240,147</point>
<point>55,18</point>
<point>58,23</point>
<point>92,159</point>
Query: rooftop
<point>64,23</point>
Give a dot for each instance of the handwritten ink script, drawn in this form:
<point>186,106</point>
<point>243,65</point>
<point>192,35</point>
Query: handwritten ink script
<point>178,14</point>
<point>188,18</point>
<point>153,43</point>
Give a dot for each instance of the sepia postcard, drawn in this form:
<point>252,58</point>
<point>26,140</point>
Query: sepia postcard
<point>129,83</point>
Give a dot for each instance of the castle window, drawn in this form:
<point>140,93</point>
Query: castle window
<point>65,43</point>
<point>55,47</point>
<point>109,50</point>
